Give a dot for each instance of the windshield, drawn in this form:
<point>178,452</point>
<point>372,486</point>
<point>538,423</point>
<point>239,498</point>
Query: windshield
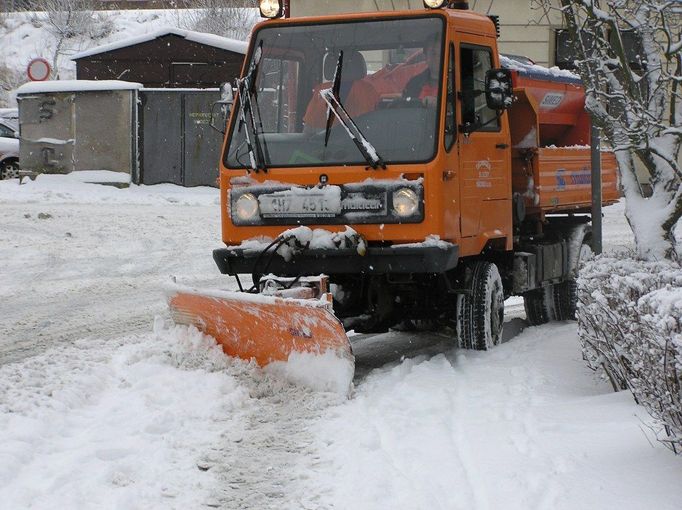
<point>389,86</point>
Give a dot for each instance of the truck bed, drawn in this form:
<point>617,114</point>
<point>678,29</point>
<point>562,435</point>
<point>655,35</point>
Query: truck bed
<point>558,179</point>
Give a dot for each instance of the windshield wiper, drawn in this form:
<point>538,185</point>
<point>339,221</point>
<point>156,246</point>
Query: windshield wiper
<point>332,98</point>
<point>247,117</point>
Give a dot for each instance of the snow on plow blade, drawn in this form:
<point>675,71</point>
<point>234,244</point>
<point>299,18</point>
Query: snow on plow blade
<point>265,328</point>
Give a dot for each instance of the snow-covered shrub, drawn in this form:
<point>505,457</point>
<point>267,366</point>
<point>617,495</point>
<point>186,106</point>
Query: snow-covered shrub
<point>102,26</point>
<point>630,327</point>
<point>227,18</point>
<point>65,18</point>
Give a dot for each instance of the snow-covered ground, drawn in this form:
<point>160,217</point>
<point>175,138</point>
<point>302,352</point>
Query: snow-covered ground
<point>105,404</point>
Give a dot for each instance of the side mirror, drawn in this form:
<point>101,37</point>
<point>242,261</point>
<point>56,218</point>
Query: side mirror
<point>499,94</point>
<point>220,111</point>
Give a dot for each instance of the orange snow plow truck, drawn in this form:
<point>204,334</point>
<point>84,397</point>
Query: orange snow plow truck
<point>393,167</point>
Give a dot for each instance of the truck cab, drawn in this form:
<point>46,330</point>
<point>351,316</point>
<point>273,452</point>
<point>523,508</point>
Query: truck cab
<point>367,147</point>
<point>421,146</point>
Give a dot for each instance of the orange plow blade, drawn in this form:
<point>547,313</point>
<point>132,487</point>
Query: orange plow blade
<point>261,327</point>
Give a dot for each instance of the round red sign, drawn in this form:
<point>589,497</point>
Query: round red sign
<point>38,69</point>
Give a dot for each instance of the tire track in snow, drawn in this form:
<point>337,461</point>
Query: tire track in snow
<point>268,462</point>
<point>461,441</point>
<point>516,406</point>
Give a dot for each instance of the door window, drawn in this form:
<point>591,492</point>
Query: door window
<point>474,63</point>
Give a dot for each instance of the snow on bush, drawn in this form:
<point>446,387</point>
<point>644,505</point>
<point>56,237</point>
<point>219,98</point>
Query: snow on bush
<point>630,327</point>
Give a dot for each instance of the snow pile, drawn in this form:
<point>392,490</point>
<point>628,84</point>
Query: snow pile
<point>129,421</point>
<point>630,327</point>
<point>538,71</point>
<point>85,188</point>
<point>430,241</point>
<point>300,238</point>
<point>523,426</point>
<point>295,240</point>
<point>327,372</point>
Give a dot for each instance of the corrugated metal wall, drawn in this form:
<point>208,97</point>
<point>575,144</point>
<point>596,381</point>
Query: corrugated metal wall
<point>177,143</point>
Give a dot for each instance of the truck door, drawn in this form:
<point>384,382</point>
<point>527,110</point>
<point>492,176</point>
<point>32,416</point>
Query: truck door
<point>483,145</point>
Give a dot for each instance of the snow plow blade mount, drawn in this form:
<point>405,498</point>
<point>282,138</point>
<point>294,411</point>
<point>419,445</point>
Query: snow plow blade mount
<point>265,328</point>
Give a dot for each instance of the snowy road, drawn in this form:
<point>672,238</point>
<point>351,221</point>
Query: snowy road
<point>70,271</point>
<point>102,406</point>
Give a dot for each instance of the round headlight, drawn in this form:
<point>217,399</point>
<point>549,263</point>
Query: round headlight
<point>434,4</point>
<point>405,202</point>
<point>246,207</point>
<point>271,8</point>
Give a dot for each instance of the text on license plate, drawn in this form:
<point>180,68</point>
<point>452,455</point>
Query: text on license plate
<point>292,205</point>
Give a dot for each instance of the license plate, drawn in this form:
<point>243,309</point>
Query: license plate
<point>304,205</point>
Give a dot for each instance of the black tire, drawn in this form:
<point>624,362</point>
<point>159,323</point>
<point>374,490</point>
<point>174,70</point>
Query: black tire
<point>566,292</point>
<point>9,169</point>
<point>565,300</point>
<point>539,305</point>
<point>480,313</point>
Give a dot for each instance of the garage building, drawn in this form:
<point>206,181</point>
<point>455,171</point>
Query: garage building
<point>167,58</point>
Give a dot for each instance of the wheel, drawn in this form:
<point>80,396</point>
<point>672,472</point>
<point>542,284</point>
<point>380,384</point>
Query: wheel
<point>534,302</point>
<point>9,169</point>
<point>480,313</point>
<point>565,300</point>
<point>565,294</point>
<point>539,305</point>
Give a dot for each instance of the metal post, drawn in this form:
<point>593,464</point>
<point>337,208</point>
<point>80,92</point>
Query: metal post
<point>596,191</point>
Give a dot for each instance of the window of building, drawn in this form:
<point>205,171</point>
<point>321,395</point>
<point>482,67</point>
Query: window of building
<point>632,42</point>
<point>564,56</point>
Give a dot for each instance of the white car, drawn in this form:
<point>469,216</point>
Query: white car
<point>9,150</point>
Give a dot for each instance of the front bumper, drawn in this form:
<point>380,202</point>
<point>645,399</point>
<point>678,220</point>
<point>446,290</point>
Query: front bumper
<point>377,260</point>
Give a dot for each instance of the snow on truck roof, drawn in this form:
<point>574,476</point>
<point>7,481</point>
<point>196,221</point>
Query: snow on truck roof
<point>76,86</point>
<point>539,72</point>
<point>216,41</point>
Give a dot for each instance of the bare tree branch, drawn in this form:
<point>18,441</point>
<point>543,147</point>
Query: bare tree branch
<point>628,56</point>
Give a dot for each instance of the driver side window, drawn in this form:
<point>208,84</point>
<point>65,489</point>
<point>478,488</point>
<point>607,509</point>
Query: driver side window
<point>475,61</point>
